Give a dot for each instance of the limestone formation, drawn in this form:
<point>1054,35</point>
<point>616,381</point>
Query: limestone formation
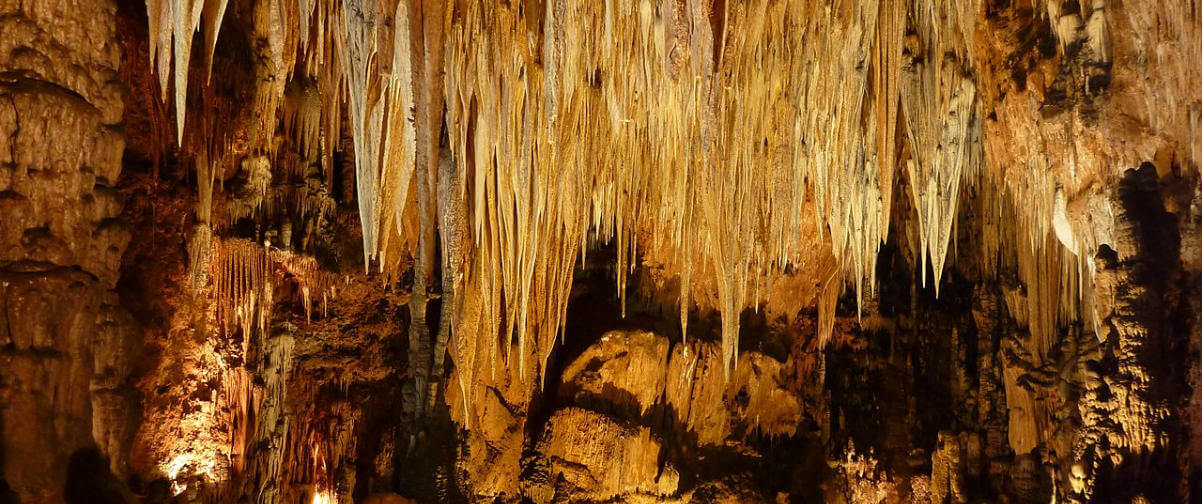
<point>334,251</point>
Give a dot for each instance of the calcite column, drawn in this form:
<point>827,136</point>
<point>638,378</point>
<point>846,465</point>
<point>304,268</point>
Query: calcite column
<point>992,414</point>
<point>271,436</point>
<point>1191,256</point>
<point>1129,429</point>
<point>60,245</point>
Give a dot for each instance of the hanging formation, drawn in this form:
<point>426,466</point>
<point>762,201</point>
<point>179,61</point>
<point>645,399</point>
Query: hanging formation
<point>732,144</point>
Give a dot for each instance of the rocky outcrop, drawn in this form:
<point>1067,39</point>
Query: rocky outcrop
<point>566,468</point>
<point>954,464</point>
<point>623,369</point>
<point>631,396</point>
<point>634,371</point>
<point>1127,416</point>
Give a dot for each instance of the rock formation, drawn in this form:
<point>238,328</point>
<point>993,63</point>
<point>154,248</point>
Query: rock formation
<point>333,251</point>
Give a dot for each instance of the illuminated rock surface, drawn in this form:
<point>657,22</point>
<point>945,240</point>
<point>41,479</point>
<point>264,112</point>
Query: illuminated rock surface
<point>331,251</point>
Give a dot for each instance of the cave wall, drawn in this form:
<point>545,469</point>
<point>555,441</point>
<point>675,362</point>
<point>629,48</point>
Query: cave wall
<point>67,344</point>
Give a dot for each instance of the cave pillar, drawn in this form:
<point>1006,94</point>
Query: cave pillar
<point>1150,252</point>
<point>62,354</point>
<point>1191,255</point>
<point>1128,425</point>
<point>271,430</point>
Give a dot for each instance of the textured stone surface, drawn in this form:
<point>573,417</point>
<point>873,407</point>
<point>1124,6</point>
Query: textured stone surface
<point>573,443</point>
<point>66,348</point>
<point>381,247</point>
<point>625,369</point>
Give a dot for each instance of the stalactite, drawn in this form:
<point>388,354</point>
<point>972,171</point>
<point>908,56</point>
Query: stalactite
<point>399,148</point>
<point>302,118</point>
<point>245,278</point>
<point>241,291</point>
<point>251,199</point>
<point>185,19</point>
<point>359,48</point>
<point>213,14</point>
<point>886,62</point>
<point>942,125</point>
<point>172,26</point>
<point>276,38</point>
<point>323,41</point>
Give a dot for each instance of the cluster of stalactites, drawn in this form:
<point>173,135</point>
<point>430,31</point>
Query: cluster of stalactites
<point>644,121</point>
<point>629,119</point>
<point>525,201</point>
<point>299,43</point>
<point>1056,282</point>
<point>1056,171</point>
<point>656,124</point>
<point>377,54</point>
<point>173,25</point>
<point>244,276</point>
<point>942,123</point>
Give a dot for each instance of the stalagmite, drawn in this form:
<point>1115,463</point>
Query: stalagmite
<point>272,423</point>
<point>452,230</point>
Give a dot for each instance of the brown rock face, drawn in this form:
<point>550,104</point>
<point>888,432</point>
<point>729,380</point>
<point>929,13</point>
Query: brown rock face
<point>566,468</point>
<point>64,341</point>
<point>625,369</point>
<point>645,409</point>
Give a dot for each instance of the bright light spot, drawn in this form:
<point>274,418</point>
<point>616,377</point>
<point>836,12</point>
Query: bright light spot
<point>186,465</point>
<point>323,497</point>
<point>178,488</point>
